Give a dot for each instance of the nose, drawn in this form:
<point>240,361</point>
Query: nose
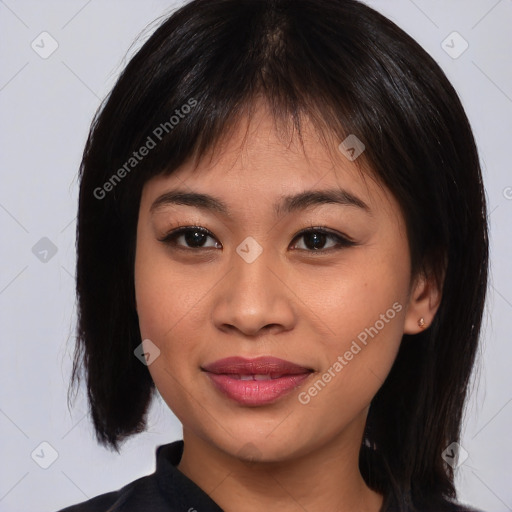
<point>253,297</point>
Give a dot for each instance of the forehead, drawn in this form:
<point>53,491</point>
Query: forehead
<point>260,157</point>
<point>262,142</point>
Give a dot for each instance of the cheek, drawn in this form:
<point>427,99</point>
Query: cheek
<point>363,310</point>
<point>166,305</point>
<point>166,298</point>
<point>169,306</point>
<point>349,298</point>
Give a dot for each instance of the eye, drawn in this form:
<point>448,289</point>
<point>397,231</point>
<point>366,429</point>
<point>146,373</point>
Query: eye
<point>190,237</point>
<point>315,240</point>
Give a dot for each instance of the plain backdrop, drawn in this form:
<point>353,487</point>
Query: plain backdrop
<point>58,60</point>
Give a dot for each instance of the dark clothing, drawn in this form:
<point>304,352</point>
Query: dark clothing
<point>167,490</point>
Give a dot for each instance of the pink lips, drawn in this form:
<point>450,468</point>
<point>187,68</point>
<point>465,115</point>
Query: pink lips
<point>257,381</point>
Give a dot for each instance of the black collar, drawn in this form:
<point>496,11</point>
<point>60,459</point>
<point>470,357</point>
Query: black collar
<point>181,493</point>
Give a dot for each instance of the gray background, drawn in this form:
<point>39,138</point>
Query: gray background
<point>46,107</point>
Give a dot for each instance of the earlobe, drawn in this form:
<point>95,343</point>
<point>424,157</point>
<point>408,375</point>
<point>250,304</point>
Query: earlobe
<point>423,305</point>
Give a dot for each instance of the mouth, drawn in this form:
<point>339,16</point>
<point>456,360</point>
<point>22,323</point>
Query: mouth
<point>255,382</point>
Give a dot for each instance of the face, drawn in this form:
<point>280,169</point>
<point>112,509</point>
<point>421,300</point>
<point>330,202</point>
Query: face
<point>287,255</point>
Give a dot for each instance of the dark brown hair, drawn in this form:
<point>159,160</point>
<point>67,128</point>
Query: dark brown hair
<point>349,70</point>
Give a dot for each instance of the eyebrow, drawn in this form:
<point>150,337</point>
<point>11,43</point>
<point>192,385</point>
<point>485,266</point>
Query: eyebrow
<point>288,204</point>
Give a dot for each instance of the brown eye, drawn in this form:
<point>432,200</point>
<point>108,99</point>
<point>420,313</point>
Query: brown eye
<point>190,237</point>
<point>316,239</point>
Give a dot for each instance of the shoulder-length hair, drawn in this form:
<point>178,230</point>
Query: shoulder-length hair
<point>349,70</point>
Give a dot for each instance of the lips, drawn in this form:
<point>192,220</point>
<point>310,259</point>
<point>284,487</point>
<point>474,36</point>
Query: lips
<point>255,382</point>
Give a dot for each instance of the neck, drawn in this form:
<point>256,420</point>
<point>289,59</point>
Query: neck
<point>327,478</point>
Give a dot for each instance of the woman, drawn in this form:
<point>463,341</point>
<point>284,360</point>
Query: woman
<point>282,229</point>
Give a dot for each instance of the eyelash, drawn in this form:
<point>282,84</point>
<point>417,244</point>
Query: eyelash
<point>342,240</point>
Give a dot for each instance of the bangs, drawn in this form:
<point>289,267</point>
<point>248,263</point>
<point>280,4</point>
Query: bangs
<point>175,106</point>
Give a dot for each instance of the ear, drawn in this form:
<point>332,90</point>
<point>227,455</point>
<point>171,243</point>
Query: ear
<point>424,301</point>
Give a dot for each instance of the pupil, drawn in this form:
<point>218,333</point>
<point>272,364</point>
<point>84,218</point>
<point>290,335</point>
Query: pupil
<point>194,237</point>
<point>314,240</point>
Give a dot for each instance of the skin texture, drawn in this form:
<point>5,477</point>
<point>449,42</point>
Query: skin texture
<point>293,302</point>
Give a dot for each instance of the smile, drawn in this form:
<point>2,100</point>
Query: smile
<point>255,382</point>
